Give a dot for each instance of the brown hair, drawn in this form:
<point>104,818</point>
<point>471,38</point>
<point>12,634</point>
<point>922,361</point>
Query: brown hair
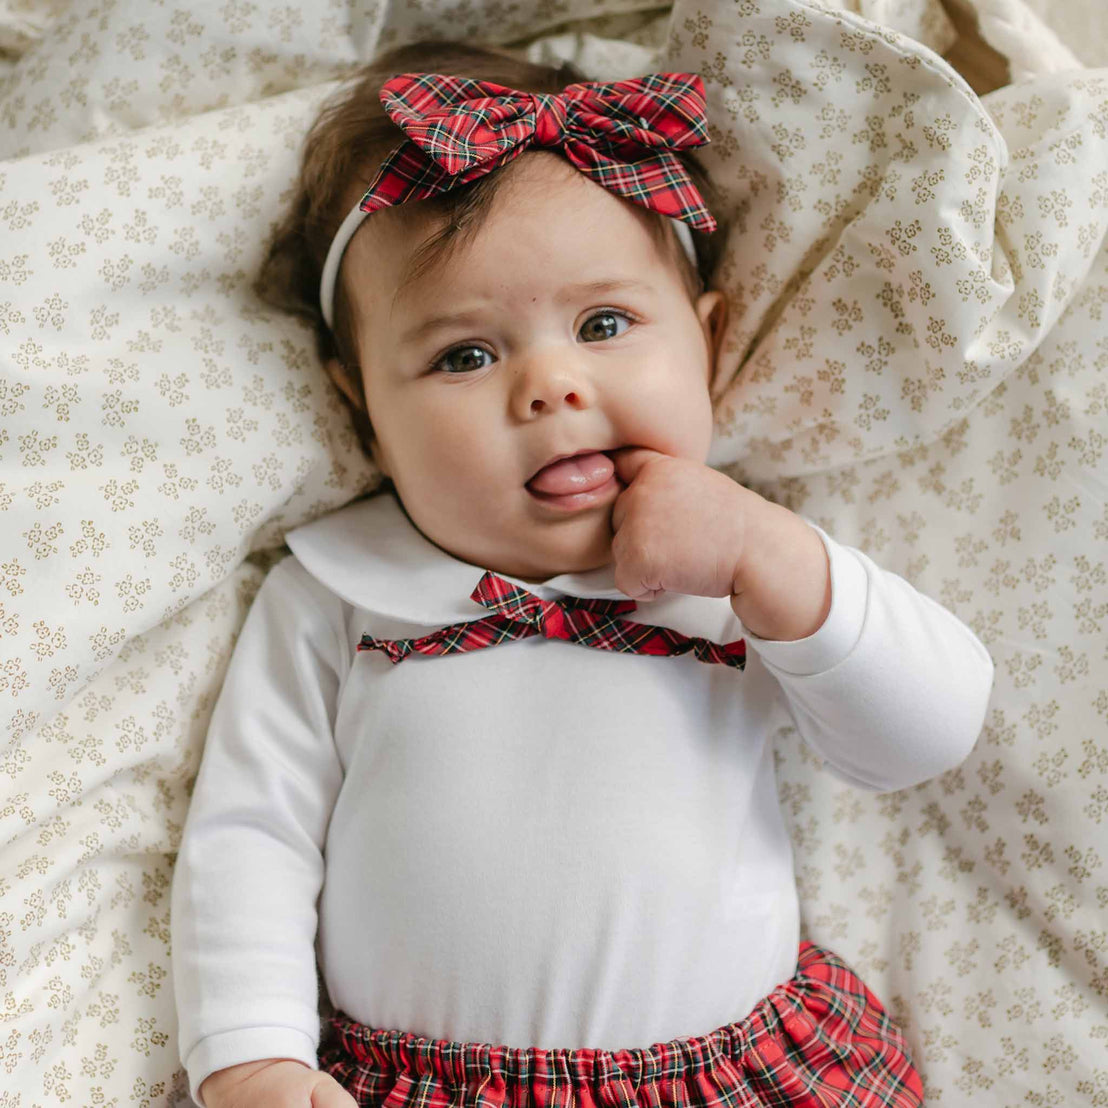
<point>346,144</point>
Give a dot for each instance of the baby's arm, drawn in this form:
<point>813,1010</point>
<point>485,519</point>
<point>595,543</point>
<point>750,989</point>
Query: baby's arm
<point>892,688</point>
<point>249,871</point>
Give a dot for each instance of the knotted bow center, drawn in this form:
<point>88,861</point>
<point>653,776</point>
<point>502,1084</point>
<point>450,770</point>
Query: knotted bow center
<point>550,119</point>
<point>548,617</point>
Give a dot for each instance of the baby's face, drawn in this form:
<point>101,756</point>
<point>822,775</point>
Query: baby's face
<point>534,363</point>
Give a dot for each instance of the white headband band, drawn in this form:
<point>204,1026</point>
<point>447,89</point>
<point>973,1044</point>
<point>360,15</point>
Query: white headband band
<point>354,220</point>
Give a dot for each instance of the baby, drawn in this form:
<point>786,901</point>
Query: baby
<point>543,858</point>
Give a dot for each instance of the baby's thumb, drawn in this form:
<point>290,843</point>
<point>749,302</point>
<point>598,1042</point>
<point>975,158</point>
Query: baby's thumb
<point>328,1093</point>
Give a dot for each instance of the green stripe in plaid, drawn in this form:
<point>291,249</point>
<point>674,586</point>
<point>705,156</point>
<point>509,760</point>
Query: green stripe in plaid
<point>819,1040</point>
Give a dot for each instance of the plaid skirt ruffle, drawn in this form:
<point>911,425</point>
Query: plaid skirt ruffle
<point>819,1040</point>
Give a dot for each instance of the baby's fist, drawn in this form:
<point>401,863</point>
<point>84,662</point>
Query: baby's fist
<point>273,1083</point>
<point>678,526</point>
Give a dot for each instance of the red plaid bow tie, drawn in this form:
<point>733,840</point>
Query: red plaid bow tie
<point>518,614</point>
<point>617,133</point>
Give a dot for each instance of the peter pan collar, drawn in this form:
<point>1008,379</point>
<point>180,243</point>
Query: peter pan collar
<point>372,555</point>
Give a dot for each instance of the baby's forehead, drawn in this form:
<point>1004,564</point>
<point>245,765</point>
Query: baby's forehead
<point>435,295</point>
<point>543,232</point>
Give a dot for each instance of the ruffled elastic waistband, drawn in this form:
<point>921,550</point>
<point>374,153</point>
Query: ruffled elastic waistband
<point>822,1029</point>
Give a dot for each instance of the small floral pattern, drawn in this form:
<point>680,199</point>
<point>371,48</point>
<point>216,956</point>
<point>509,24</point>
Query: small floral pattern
<point>916,360</point>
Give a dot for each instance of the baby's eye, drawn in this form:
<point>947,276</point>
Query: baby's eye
<point>599,326</point>
<point>461,365</point>
<point>607,328</point>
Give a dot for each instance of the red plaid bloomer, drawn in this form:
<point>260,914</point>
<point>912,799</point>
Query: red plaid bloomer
<point>819,1040</point>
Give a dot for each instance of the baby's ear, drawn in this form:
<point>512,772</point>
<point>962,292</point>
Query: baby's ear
<point>712,310</point>
<point>347,380</point>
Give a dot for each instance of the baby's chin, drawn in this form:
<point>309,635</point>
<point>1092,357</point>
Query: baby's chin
<point>534,550</point>
<point>558,559</point>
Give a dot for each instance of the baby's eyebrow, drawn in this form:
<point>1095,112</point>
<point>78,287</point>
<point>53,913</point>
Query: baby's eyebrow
<point>569,292</point>
<point>589,288</point>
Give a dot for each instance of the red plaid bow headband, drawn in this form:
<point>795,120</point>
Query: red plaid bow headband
<point>620,134</point>
<point>519,614</point>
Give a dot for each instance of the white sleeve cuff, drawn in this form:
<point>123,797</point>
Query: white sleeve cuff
<point>245,1044</point>
<point>836,637</point>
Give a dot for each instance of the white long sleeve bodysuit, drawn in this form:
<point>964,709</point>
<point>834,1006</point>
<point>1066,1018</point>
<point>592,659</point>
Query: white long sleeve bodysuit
<point>538,843</point>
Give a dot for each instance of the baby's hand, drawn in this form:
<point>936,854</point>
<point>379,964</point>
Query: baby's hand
<point>679,526</point>
<point>688,528</point>
<point>273,1083</point>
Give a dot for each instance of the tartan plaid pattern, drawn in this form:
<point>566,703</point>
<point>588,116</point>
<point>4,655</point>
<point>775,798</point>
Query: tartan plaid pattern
<point>819,1040</point>
<point>518,614</point>
<point>620,134</point>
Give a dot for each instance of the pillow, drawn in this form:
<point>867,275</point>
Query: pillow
<point>875,236</point>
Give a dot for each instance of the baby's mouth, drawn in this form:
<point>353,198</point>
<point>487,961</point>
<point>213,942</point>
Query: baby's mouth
<point>581,473</point>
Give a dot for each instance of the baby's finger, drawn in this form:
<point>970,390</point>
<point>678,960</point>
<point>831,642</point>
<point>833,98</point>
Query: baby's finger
<point>330,1094</point>
<point>619,510</point>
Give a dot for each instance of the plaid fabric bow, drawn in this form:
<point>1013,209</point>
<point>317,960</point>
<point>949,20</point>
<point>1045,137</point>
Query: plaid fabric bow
<point>620,134</point>
<point>518,614</point>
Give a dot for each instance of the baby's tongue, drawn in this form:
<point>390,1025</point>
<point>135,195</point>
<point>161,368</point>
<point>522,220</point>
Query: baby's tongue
<point>581,474</point>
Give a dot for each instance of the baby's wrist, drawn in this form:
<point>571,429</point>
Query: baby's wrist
<point>216,1084</point>
<point>781,590</point>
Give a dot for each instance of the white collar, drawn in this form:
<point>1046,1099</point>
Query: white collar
<point>372,555</point>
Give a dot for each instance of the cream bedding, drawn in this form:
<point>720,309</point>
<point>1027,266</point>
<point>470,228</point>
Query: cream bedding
<point>916,361</point>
